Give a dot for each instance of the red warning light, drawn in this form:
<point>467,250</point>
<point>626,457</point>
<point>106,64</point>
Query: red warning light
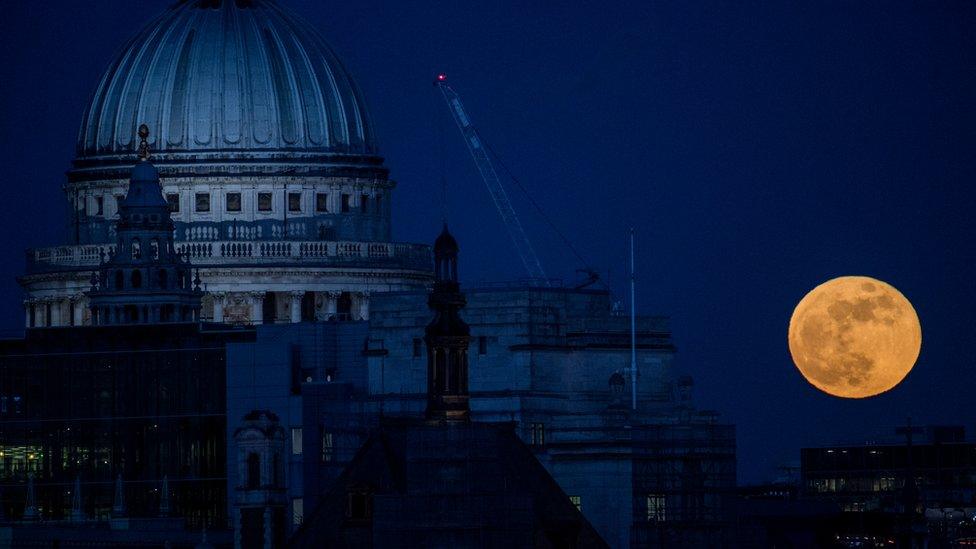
<point>441,77</point>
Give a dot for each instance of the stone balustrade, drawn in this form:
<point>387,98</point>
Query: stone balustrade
<point>246,252</point>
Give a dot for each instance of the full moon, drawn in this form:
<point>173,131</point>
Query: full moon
<point>854,337</point>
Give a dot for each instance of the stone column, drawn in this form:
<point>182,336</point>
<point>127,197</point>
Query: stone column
<point>77,310</point>
<point>296,306</point>
<point>257,307</point>
<point>56,306</point>
<point>331,304</point>
<point>218,305</point>
<point>28,305</point>
<point>268,540</point>
<point>364,305</point>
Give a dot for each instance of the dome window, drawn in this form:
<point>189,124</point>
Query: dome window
<point>136,247</point>
<point>264,202</point>
<point>233,202</point>
<point>203,202</point>
<point>294,202</point>
<point>137,279</point>
<point>345,202</point>
<point>173,200</point>
<point>321,202</point>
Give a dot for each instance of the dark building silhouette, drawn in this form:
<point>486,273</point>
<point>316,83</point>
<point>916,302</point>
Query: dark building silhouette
<point>445,481</point>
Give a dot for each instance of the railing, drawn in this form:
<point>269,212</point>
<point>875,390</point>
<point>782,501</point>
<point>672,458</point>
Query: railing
<point>244,252</point>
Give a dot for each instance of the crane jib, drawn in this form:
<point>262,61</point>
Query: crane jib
<point>522,245</point>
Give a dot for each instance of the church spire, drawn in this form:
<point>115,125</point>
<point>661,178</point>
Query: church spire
<point>146,280</point>
<point>447,337</point>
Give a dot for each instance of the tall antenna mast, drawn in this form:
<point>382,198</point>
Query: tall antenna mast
<point>633,327</point>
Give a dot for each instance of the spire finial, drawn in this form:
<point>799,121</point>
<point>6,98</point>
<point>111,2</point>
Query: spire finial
<point>143,142</point>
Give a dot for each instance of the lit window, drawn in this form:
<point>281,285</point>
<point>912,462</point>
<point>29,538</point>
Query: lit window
<point>656,508</point>
<point>577,501</point>
<point>297,511</point>
<point>174,202</point>
<point>537,434</point>
<point>321,202</point>
<point>296,440</point>
<point>203,202</point>
<point>233,202</point>
<point>294,202</point>
<point>328,447</point>
<point>264,202</point>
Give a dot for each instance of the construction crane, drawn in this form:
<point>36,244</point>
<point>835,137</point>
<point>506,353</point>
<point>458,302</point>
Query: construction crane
<point>481,159</point>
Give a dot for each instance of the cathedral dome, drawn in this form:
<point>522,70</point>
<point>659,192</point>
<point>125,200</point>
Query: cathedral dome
<point>220,80</point>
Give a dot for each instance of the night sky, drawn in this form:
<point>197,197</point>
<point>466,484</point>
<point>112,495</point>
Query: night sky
<point>759,150</point>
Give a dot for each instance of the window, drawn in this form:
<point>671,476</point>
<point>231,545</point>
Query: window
<point>537,434</point>
<point>297,511</point>
<point>203,202</point>
<point>136,249</point>
<point>154,248</point>
<point>99,205</point>
<point>321,202</point>
<point>328,447</point>
<point>379,203</point>
<point>345,203</point>
<point>233,202</point>
<point>656,508</point>
<point>482,345</point>
<point>418,346</point>
<point>264,202</point>
<point>137,279</point>
<point>174,202</point>
<point>294,202</point>
<point>296,440</point>
<point>577,502</point>
<point>253,471</point>
<point>359,506</point>
<point>364,203</point>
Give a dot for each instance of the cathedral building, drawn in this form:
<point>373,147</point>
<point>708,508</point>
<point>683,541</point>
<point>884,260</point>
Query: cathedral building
<point>272,174</point>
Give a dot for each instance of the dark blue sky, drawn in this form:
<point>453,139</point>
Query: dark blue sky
<point>758,149</point>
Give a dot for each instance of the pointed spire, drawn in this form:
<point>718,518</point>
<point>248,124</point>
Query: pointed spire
<point>144,152</point>
<point>30,510</point>
<point>77,515</point>
<point>164,498</point>
<point>118,507</point>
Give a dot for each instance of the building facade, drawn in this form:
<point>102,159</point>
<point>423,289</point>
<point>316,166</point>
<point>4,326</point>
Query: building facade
<point>269,163</point>
<point>122,425</point>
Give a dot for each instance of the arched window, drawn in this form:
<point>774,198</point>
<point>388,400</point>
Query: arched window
<point>137,278</point>
<point>154,248</point>
<point>253,471</point>
<point>136,249</point>
<point>119,280</point>
<point>163,278</point>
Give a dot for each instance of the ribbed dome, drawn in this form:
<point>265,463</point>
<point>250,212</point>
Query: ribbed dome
<point>243,76</point>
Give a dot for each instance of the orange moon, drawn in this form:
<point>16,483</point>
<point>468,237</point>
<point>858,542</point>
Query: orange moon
<point>854,337</point>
